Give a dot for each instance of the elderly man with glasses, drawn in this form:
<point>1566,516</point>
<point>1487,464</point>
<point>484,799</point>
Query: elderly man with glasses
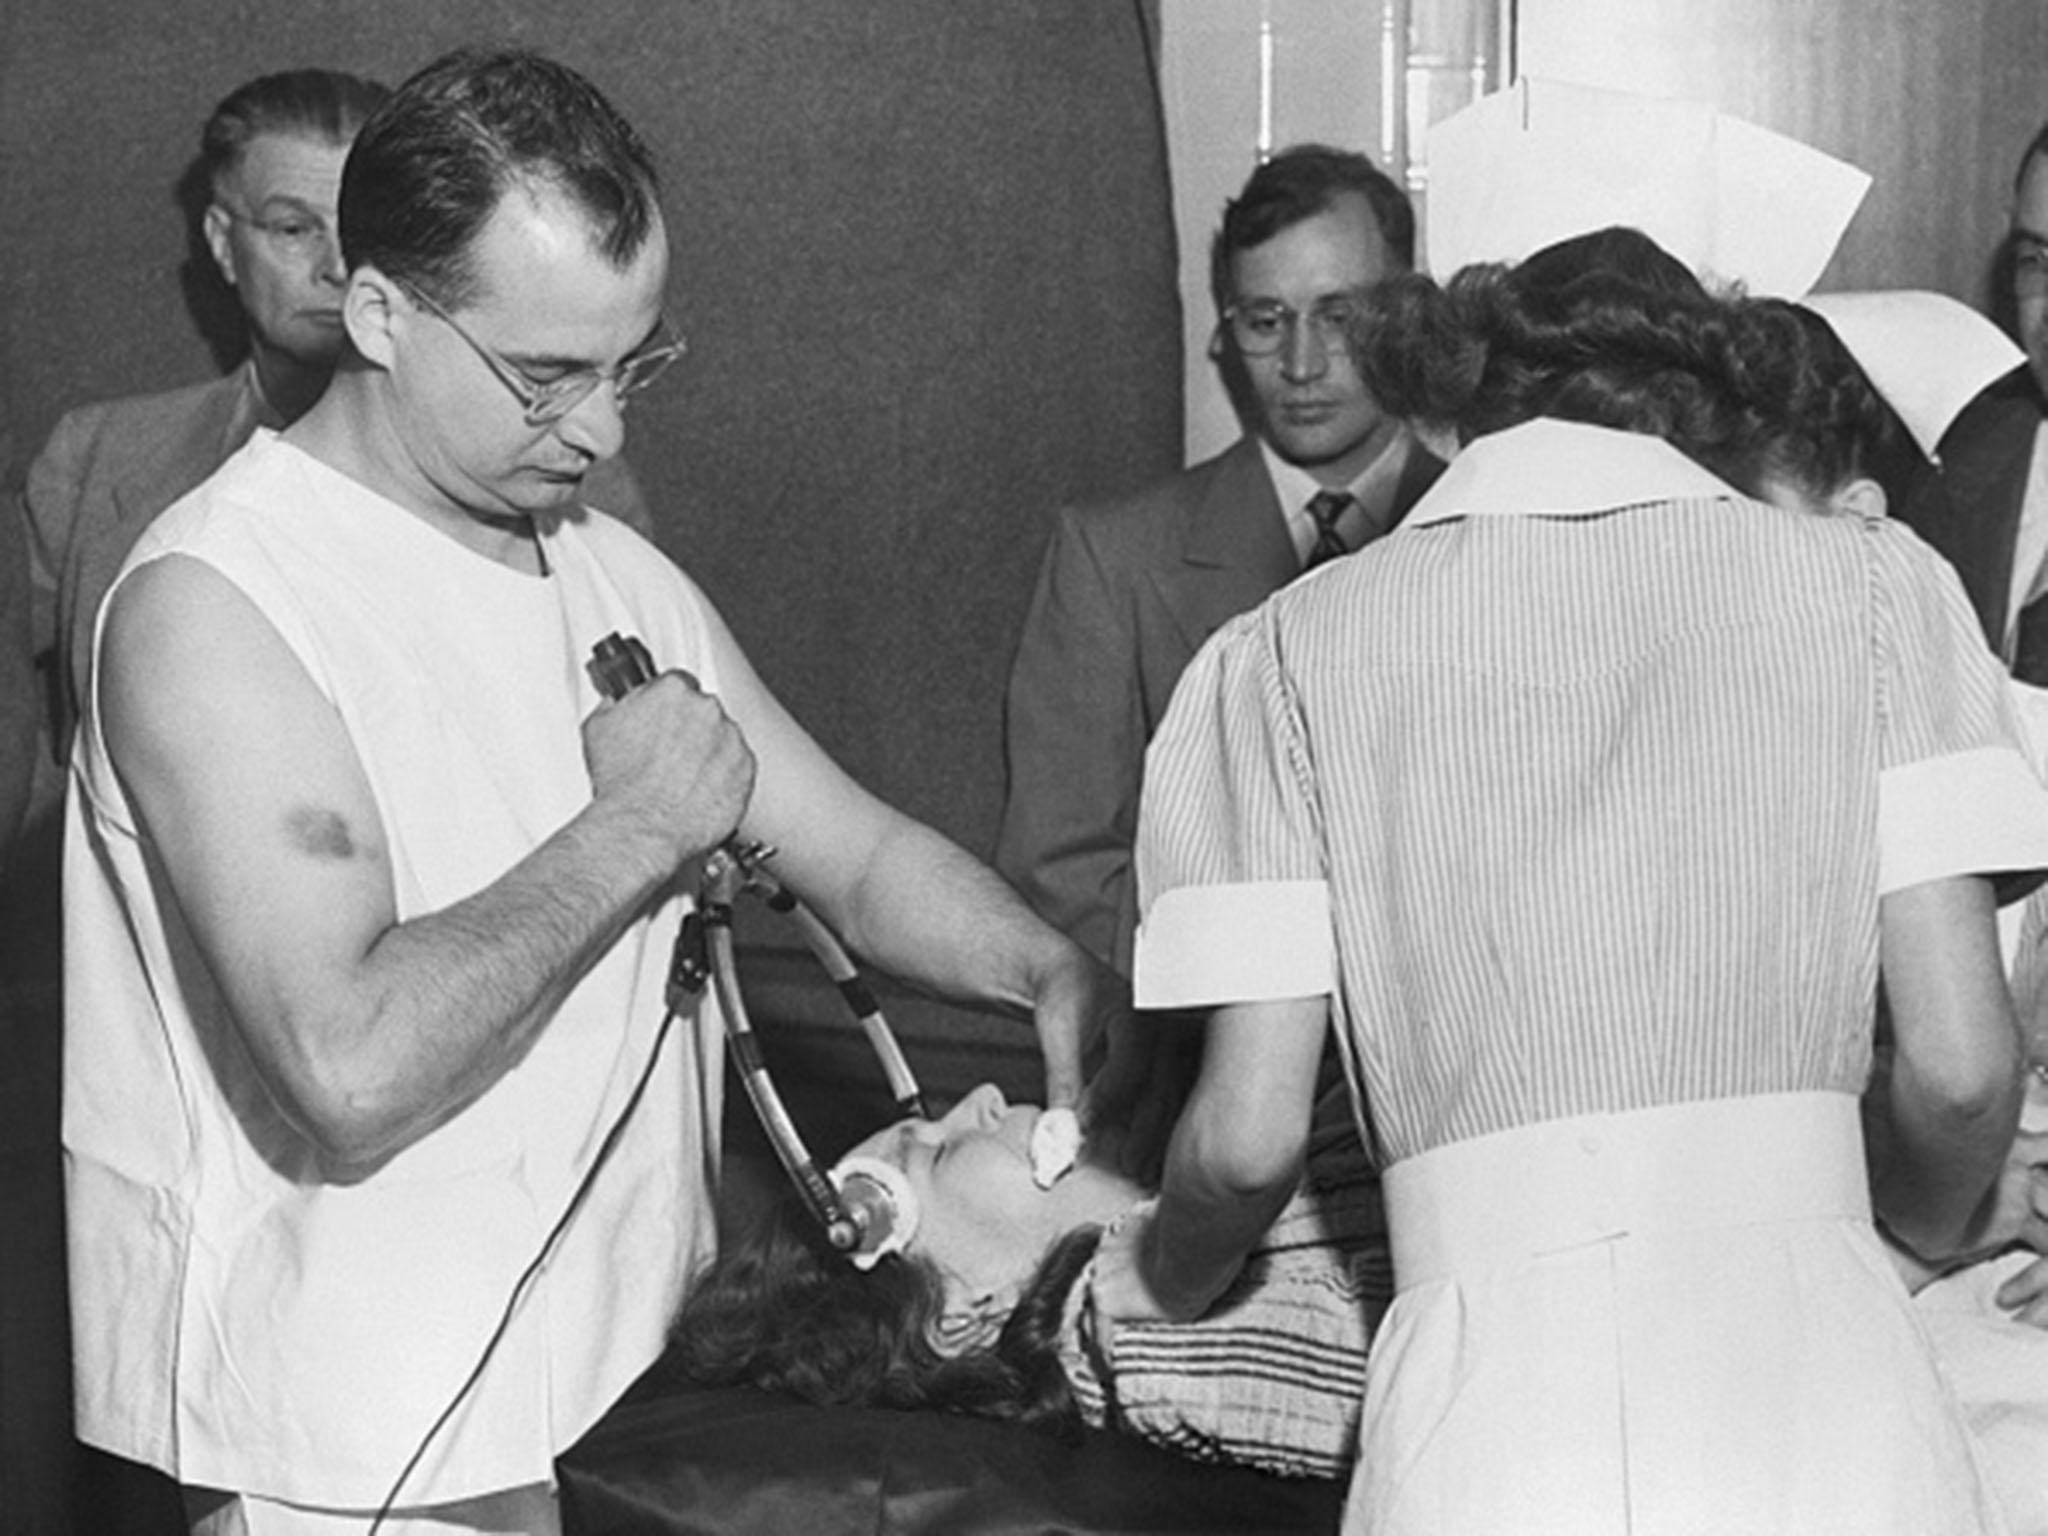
<point>1986,506</point>
<point>1130,589</point>
<point>391,1140</point>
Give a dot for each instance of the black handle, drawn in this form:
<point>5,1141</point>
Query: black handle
<point>619,664</point>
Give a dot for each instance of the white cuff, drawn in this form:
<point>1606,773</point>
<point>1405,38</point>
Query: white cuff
<point>1203,945</point>
<point>1979,812</point>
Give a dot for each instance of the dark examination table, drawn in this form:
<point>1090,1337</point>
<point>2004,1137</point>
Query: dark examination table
<point>672,1459</point>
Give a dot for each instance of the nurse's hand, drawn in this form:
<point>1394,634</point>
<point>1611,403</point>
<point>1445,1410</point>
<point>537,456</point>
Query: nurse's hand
<point>1117,1288</point>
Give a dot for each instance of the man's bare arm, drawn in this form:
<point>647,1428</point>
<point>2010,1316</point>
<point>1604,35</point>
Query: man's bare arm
<point>368,1031</point>
<point>906,898</point>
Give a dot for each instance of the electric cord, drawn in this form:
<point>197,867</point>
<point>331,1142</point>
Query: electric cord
<point>530,1273</point>
<point>703,952</point>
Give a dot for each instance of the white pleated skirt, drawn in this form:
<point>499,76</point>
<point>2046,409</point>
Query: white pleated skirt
<point>1671,1322</point>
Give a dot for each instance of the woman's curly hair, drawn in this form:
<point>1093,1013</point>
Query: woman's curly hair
<point>781,1309</point>
<point>1609,329</point>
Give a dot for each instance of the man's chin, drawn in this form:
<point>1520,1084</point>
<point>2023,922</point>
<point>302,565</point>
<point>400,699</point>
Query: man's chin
<point>1309,449</point>
<point>545,492</point>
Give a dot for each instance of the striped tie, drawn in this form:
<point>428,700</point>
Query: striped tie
<point>1326,507</point>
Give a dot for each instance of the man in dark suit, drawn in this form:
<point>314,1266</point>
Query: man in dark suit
<point>1986,508</point>
<point>1129,590</point>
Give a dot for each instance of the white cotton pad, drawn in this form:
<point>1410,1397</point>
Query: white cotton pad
<point>1055,1143</point>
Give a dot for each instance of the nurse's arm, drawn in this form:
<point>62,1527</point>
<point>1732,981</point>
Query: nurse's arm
<point>1944,1116</point>
<point>1236,1156</point>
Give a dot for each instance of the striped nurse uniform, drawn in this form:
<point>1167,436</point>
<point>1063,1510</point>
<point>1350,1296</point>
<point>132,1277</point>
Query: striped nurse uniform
<point>1578,795</point>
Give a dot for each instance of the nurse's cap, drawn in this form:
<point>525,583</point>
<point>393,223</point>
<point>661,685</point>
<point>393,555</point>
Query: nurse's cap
<point>1545,160</point>
<point>1929,355</point>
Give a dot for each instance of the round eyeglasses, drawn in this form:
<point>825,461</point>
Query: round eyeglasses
<point>1265,326</point>
<point>549,400</point>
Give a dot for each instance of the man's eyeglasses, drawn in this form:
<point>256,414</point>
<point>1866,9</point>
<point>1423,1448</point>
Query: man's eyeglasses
<point>1265,326</point>
<point>549,400</point>
<point>294,235</point>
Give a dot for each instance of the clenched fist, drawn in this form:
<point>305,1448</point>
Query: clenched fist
<point>668,752</point>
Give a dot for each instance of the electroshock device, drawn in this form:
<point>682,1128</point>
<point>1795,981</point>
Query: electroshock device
<point>866,1208</point>
<point>863,1214</point>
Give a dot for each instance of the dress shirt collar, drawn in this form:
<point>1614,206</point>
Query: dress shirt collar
<point>1549,468</point>
<point>1375,486</point>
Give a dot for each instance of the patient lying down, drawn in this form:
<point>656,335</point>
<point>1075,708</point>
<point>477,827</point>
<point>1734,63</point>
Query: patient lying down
<point>985,1309</point>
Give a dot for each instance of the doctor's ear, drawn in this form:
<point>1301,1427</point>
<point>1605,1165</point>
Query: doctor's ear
<point>371,309</point>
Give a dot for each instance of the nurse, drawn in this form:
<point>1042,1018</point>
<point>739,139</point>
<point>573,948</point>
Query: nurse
<point>1589,809</point>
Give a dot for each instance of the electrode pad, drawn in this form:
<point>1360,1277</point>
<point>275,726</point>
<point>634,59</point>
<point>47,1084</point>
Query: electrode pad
<point>882,1204</point>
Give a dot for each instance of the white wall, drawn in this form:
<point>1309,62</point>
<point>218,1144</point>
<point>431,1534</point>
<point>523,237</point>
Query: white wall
<point>1242,77</point>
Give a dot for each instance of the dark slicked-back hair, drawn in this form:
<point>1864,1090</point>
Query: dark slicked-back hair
<point>311,103</point>
<point>1298,183</point>
<point>431,167</point>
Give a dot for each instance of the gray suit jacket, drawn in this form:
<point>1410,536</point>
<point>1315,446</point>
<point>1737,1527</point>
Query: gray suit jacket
<point>110,468</point>
<point>1128,592</point>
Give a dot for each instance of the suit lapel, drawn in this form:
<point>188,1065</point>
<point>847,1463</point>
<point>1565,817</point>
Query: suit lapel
<point>1236,551</point>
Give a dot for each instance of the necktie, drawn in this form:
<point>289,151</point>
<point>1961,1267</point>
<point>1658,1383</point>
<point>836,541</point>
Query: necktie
<point>1326,507</point>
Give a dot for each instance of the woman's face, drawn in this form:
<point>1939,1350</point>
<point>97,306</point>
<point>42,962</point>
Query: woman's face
<point>983,1220</point>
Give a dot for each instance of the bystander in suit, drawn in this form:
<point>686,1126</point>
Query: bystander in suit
<point>1130,589</point>
<point>1986,507</point>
